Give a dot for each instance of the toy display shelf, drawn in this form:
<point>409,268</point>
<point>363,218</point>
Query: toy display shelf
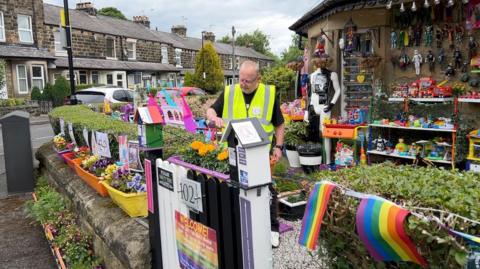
<point>469,100</point>
<point>413,128</point>
<point>375,152</point>
<point>424,100</point>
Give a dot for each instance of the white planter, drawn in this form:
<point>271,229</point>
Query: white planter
<point>314,160</point>
<point>293,158</point>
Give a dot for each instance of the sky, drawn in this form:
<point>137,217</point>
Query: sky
<point>273,17</point>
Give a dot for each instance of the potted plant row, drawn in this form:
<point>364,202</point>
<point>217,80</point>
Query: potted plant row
<point>90,170</point>
<point>61,146</point>
<point>291,197</point>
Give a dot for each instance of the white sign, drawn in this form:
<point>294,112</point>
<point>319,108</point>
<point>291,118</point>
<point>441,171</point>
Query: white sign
<point>103,147</point>
<point>94,144</point>
<point>70,133</point>
<point>85,136</point>
<point>246,132</point>
<point>231,156</point>
<point>134,163</point>
<point>62,126</point>
<point>191,194</point>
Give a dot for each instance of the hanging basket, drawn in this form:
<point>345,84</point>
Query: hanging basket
<point>134,204</point>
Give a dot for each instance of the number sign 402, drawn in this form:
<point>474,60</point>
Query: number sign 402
<point>191,194</point>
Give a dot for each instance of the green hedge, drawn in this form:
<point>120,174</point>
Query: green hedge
<point>451,191</point>
<point>82,116</point>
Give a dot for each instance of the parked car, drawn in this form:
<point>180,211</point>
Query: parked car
<point>98,94</point>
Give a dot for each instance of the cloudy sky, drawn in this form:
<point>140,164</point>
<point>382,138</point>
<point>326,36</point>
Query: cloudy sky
<point>273,17</point>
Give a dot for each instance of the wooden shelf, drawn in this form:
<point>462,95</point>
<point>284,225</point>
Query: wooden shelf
<point>346,83</point>
<point>469,100</point>
<point>424,100</point>
<point>404,157</point>
<point>414,128</point>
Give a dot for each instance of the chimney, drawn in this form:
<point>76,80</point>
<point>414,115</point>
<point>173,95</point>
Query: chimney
<point>86,7</point>
<point>249,45</point>
<point>179,30</point>
<point>144,20</point>
<point>209,36</point>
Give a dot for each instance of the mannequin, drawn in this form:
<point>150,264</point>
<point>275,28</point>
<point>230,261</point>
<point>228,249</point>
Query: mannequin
<point>324,93</point>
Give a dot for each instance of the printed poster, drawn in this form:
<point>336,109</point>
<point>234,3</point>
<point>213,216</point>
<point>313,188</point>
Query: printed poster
<point>134,163</point>
<point>123,150</point>
<point>196,244</point>
<point>103,146</point>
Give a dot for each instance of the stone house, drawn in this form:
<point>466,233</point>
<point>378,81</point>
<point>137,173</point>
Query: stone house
<point>111,51</point>
<point>23,47</point>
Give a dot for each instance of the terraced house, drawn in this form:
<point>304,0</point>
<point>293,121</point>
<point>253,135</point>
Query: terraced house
<point>106,50</point>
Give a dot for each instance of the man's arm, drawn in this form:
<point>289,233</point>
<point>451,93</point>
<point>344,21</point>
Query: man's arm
<point>279,134</point>
<point>215,110</point>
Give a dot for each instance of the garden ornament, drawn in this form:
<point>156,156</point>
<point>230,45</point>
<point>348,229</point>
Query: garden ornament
<point>430,59</point>
<point>393,40</point>
<point>472,47</point>
<point>457,56</point>
<point>417,61</point>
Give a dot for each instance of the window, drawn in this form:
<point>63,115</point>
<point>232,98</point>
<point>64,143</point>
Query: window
<point>164,54</point>
<point>22,79</point>
<point>83,77</point>
<point>37,77</point>
<point>110,47</point>
<point>178,57</point>
<point>25,28</point>
<point>95,77</point>
<point>230,62</point>
<point>237,65</point>
<point>2,28</point>
<point>109,79</point>
<point>137,78</point>
<point>59,49</point>
<point>131,49</point>
<point>119,80</point>
<point>88,97</point>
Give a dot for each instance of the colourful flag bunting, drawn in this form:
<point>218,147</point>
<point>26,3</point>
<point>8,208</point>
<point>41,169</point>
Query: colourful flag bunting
<point>314,212</point>
<point>188,120</point>
<point>380,227</point>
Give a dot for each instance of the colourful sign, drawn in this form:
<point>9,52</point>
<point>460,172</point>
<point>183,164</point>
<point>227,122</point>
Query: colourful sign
<point>148,179</point>
<point>123,150</point>
<point>196,243</point>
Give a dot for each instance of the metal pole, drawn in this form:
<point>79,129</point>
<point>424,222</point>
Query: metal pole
<point>73,99</point>
<point>234,62</point>
<point>203,59</point>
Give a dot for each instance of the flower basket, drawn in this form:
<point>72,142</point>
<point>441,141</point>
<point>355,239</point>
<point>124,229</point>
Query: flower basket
<point>92,180</point>
<point>68,157</point>
<point>134,204</point>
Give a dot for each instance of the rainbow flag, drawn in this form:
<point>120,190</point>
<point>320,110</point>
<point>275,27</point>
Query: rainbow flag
<point>314,211</point>
<point>380,227</point>
<point>472,240</point>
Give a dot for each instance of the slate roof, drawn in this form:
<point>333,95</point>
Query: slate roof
<point>114,26</point>
<point>16,51</point>
<point>102,64</point>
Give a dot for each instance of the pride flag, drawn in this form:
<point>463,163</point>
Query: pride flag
<point>380,227</point>
<point>473,240</point>
<point>314,211</point>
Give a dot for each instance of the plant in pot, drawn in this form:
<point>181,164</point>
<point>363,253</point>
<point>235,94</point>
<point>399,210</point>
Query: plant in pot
<point>207,155</point>
<point>295,134</point>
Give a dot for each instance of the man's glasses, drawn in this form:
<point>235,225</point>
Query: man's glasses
<point>246,81</point>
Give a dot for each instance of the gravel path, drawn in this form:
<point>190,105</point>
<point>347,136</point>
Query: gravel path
<point>291,255</point>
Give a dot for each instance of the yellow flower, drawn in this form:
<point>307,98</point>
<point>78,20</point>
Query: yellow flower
<point>203,151</point>
<point>210,147</point>
<point>222,155</point>
<point>196,145</point>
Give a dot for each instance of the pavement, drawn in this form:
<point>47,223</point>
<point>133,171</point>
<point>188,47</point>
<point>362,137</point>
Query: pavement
<point>23,243</point>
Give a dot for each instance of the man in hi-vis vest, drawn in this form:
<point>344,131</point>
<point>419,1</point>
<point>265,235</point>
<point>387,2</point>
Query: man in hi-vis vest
<point>251,98</point>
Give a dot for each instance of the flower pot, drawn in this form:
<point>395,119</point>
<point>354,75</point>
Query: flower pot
<point>310,156</point>
<point>134,204</point>
<point>68,158</point>
<point>291,211</point>
<point>92,180</point>
<point>293,158</point>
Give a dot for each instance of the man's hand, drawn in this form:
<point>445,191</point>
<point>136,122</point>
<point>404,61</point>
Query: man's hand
<point>218,122</point>
<point>277,154</point>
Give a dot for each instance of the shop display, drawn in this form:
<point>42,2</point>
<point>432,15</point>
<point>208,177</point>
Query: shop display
<point>424,87</point>
<point>294,110</point>
<point>473,158</point>
<point>413,121</point>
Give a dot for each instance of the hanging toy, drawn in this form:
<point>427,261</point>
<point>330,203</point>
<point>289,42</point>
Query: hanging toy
<point>393,40</point>
<point>459,34</point>
<point>417,34</point>
<point>442,58</point>
<point>428,35</point>
<point>430,59</point>
<point>472,47</point>
<point>320,47</point>
<point>439,38</point>
<point>404,61</point>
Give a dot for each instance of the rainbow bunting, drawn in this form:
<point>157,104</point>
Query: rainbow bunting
<point>473,240</point>
<point>314,211</point>
<point>380,227</point>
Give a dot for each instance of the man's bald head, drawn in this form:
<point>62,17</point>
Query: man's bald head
<point>249,76</point>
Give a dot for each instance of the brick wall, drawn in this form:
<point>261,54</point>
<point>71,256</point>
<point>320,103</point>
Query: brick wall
<point>33,8</point>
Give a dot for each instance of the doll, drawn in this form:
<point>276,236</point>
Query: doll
<point>442,58</point>
<point>439,38</point>
<point>457,56</point>
<point>430,59</point>
<point>393,40</point>
<point>449,72</point>
<point>404,61</point>
<point>417,61</point>
<point>417,36</point>
<point>428,35</point>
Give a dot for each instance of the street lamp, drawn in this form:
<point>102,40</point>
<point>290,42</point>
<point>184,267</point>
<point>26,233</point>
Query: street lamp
<point>203,58</point>
<point>73,99</point>
<point>234,63</point>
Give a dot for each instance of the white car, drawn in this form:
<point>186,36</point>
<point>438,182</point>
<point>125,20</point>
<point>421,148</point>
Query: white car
<point>97,95</point>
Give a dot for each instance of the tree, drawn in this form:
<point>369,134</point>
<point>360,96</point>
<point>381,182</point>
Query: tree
<point>283,79</point>
<point>60,90</point>
<point>292,52</point>
<point>226,39</point>
<point>112,12</point>
<point>208,61</point>
<point>258,40</point>
<point>189,80</point>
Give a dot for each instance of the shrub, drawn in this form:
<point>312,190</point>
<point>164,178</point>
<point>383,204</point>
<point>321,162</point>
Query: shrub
<point>295,134</point>
<point>61,89</point>
<point>207,61</point>
<point>36,94</point>
<point>47,94</point>
<point>451,191</point>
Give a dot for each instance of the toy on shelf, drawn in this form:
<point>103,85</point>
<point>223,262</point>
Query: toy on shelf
<point>413,121</point>
<point>344,155</point>
<point>401,148</point>
<point>381,144</point>
<point>473,158</point>
<point>294,110</point>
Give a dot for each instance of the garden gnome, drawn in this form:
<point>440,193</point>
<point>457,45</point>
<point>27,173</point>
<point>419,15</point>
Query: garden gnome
<point>417,61</point>
<point>472,47</point>
<point>430,59</point>
<point>457,56</point>
<point>393,40</point>
<point>428,36</point>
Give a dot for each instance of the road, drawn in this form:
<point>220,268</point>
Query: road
<point>40,134</point>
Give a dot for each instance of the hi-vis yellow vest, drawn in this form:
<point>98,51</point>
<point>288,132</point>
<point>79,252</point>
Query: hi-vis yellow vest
<point>261,106</point>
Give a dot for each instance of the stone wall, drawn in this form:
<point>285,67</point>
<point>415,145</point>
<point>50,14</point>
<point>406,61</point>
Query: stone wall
<point>33,8</point>
<point>148,51</point>
<point>120,241</point>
